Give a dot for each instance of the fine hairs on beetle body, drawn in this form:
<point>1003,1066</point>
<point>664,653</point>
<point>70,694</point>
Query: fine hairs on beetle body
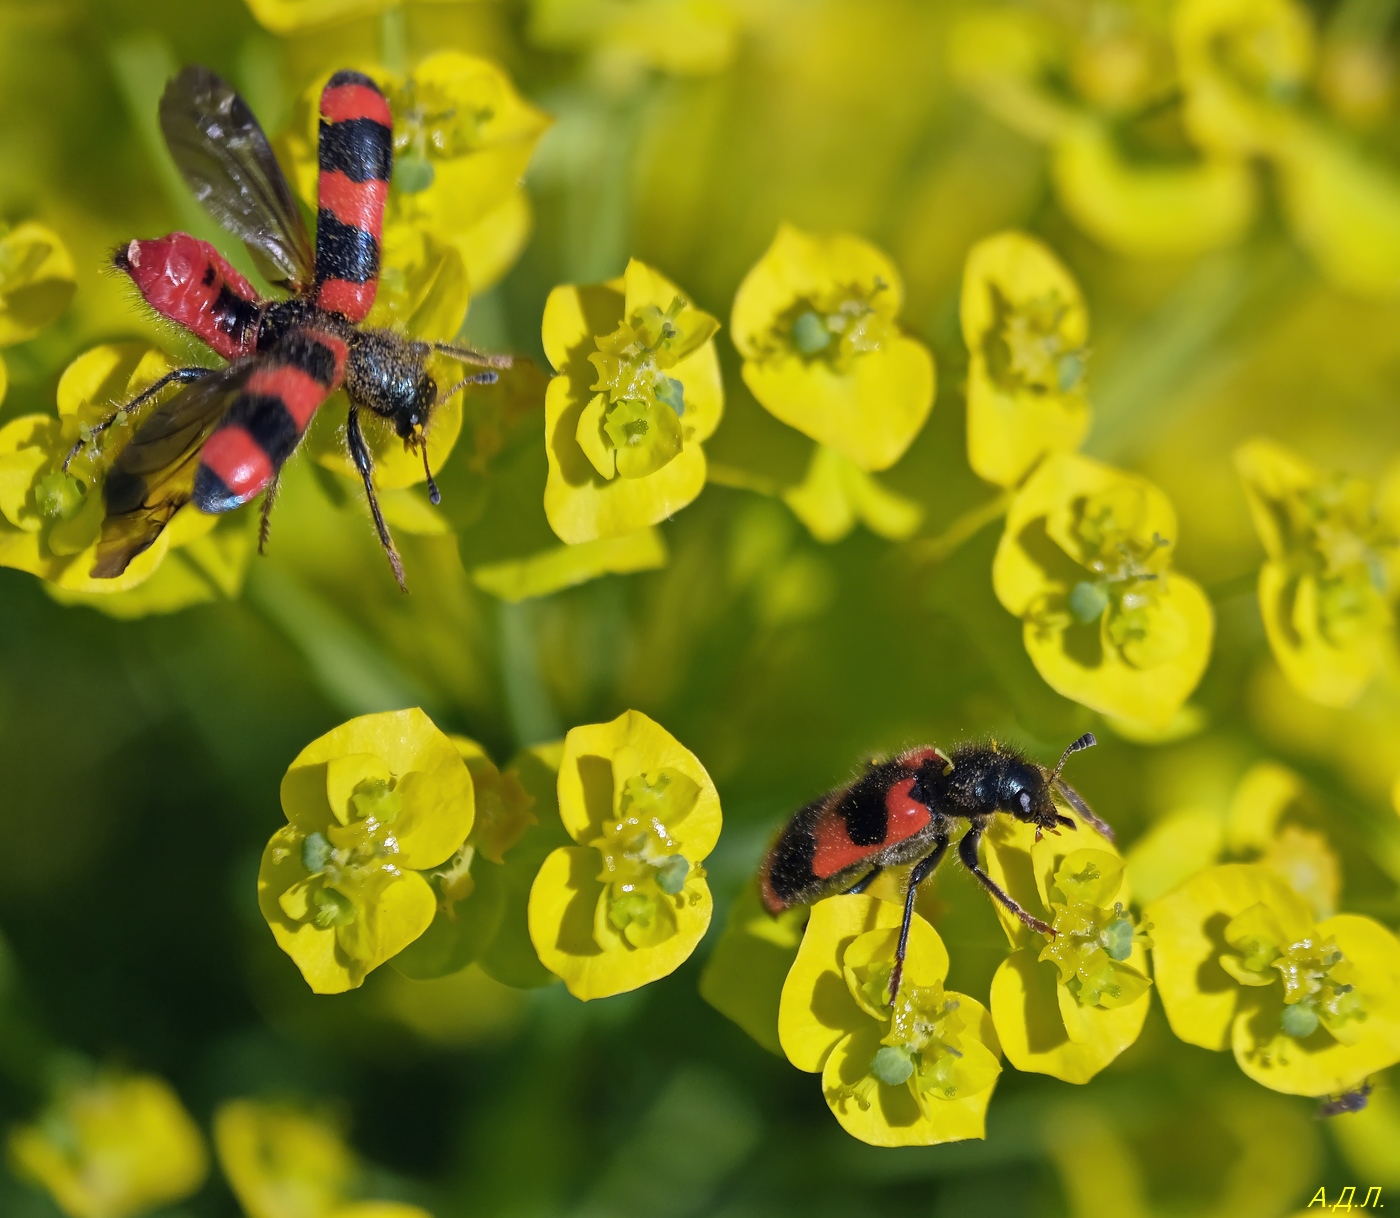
<point>908,810</point>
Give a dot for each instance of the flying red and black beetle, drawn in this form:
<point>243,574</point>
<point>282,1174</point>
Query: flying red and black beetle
<point>224,439</point>
<point>906,810</point>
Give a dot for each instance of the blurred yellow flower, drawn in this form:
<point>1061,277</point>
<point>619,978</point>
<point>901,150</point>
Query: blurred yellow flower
<point>116,1146</point>
<point>50,519</point>
<point>637,389</point>
<point>1027,330</point>
<point>463,136</point>
<point>37,281</point>
<point>1330,572</point>
<point>1101,90</point>
<point>372,805</point>
<point>916,1072</point>
<point>1309,1007</point>
<point>1070,1005</point>
<point>1085,563</point>
<point>836,493</point>
<point>284,1162</point>
<point>684,37</point>
<point>629,903</point>
<point>814,320</point>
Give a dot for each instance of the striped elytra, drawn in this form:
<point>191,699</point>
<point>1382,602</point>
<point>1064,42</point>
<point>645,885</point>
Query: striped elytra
<point>355,160</point>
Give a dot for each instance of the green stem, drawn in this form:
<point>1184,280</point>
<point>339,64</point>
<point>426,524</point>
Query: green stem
<point>930,550</point>
<point>743,480</point>
<point>393,39</point>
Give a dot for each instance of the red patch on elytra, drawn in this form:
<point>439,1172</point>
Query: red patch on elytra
<point>358,204</point>
<point>341,103</point>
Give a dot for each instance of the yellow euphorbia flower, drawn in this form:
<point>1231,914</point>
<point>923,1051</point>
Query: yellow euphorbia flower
<point>283,1162</point>
<point>1243,66</point>
<point>1330,574</point>
<point>50,520</point>
<point>815,322</point>
<point>1309,1008</point>
<point>629,903</point>
<point>372,804</point>
<point>1085,563</point>
<point>636,392</point>
<point>1070,1005</point>
<point>1027,330</point>
<point>463,136</point>
<point>116,1146</point>
<point>915,1073</point>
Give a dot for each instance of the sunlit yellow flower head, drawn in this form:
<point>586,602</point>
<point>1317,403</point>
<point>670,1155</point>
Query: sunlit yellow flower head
<point>636,392</point>
<point>1027,334</point>
<point>815,322</point>
<point>288,16</point>
<point>629,903</point>
<point>1309,1007</point>
<point>372,805</point>
<point>1085,562</point>
<point>283,1161</point>
<point>50,520</point>
<point>463,136</point>
<point>116,1146</point>
<point>1331,570</point>
<point>915,1073</point>
<point>1069,1005</point>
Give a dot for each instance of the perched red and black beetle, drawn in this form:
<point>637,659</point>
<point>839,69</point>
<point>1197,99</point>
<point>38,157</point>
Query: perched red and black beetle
<point>907,810</point>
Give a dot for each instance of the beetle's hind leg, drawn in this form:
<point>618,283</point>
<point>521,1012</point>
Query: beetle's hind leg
<point>967,853</point>
<point>265,521</point>
<point>180,376</point>
<point>920,872</point>
<point>864,882</point>
<point>360,454</point>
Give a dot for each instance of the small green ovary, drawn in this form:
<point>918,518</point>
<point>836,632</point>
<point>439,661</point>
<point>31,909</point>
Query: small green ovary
<point>59,496</point>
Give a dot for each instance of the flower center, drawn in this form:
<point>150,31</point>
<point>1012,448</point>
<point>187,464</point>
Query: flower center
<point>1027,347</point>
<point>836,326</point>
<point>59,496</point>
<point>353,862</point>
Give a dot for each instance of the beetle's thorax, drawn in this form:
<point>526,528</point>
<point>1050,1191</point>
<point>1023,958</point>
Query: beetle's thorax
<point>385,372</point>
<point>983,780</point>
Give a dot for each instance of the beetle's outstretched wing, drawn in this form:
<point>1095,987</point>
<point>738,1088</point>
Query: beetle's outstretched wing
<point>153,476</point>
<point>222,153</point>
<point>1076,801</point>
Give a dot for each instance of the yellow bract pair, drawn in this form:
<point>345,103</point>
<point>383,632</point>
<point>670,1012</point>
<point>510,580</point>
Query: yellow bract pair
<point>1309,1007</point>
<point>1331,572</point>
<point>629,903</point>
<point>637,391</point>
<point>1067,1005</point>
<point>115,1146</point>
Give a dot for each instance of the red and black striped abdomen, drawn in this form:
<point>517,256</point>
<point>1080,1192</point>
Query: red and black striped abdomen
<point>356,159</point>
<point>268,418</point>
<point>189,282</point>
<point>827,841</point>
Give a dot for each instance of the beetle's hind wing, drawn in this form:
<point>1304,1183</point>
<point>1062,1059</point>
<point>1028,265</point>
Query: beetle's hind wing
<point>152,477</point>
<point>1076,801</point>
<point>223,155</point>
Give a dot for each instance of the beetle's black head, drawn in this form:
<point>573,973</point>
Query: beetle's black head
<point>412,415</point>
<point>1024,790</point>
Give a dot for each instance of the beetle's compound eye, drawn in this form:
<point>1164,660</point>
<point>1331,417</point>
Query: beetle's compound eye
<point>1025,798</point>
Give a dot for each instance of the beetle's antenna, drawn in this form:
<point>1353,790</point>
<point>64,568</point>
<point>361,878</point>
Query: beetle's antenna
<point>476,378</point>
<point>1086,741</point>
<point>480,358</point>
